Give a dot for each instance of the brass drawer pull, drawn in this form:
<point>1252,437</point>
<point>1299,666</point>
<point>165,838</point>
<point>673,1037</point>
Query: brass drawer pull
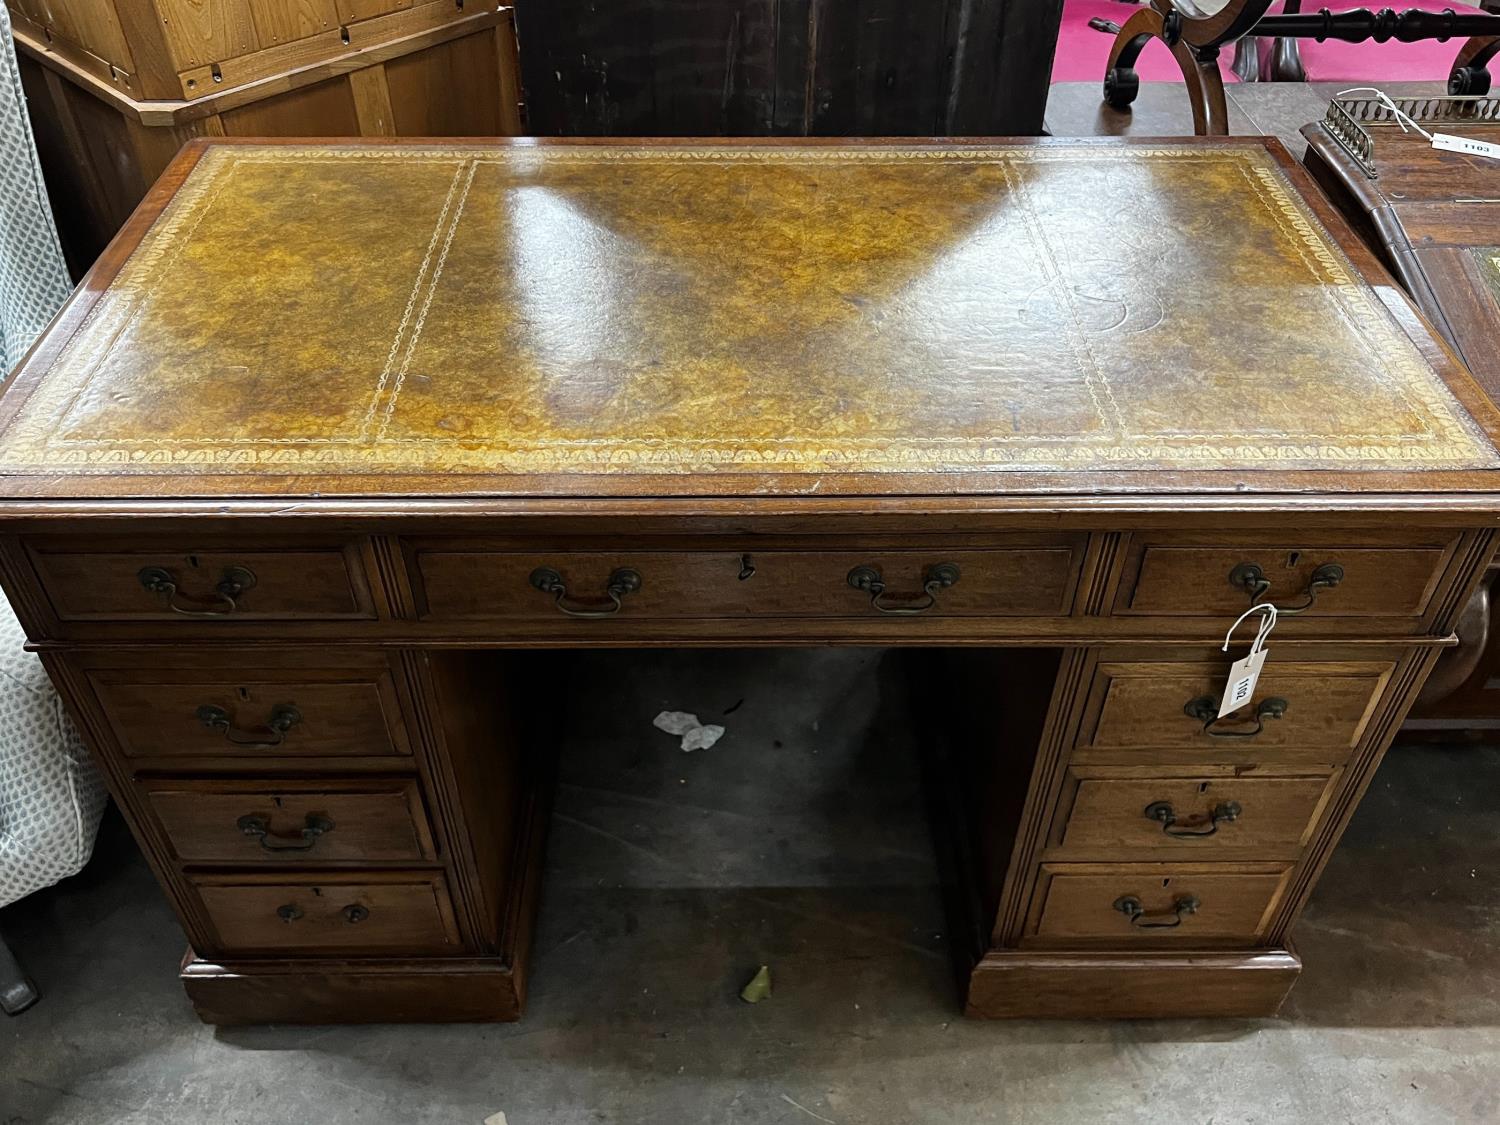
<point>934,578</point>
<point>258,826</point>
<point>223,601</point>
<point>1253,580</point>
<point>1226,812</point>
<point>1206,710</point>
<point>283,718</point>
<point>622,581</point>
<point>289,913</point>
<point>1131,907</point>
<point>355,913</point>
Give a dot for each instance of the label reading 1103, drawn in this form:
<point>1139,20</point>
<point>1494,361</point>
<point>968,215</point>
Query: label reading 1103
<point>1449,143</point>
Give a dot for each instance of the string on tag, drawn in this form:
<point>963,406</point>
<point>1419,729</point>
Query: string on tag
<point>1401,117</point>
<point>1267,623</point>
<point>1244,673</point>
<point>1445,142</point>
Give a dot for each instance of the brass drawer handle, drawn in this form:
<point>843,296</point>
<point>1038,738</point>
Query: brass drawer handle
<point>1206,710</point>
<point>289,913</point>
<point>223,601</point>
<point>622,581</point>
<point>1253,580</point>
<point>258,826</point>
<point>1131,907</point>
<point>934,579</point>
<point>283,718</point>
<point>1226,812</point>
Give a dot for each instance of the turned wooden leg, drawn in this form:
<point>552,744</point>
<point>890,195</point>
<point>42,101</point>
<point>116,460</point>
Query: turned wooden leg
<point>1200,74</point>
<point>17,993</point>
<point>1246,65</point>
<point>1285,63</point>
<point>1284,60</point>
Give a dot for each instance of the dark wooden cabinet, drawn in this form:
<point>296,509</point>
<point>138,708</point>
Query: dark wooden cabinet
<point>885,68</point>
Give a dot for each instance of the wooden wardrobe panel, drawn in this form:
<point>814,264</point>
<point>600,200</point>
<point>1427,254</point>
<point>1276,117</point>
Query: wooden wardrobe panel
<point>324,110</point>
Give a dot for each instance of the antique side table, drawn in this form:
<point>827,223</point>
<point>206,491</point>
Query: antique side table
<point>1433,217</point>
<point>337,438</point>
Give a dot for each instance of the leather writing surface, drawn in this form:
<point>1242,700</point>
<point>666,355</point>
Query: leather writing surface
<point>573,309</point>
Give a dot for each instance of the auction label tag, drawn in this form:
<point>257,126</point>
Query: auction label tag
<point>1243,673</point>
<point>1242,677</point>
<point>1466,145</point>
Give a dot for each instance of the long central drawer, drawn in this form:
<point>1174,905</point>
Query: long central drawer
<point>1031,575</point>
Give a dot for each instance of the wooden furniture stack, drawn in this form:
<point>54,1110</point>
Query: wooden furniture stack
<point>299,493</point>
<point>116,86</point>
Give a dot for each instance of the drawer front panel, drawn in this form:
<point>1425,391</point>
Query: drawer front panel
<point>403,915</point>
<point>1151,903</point>
<point>254,714</point>
<point>1172,576</point>
<point>296,822</point>
<point>1020,581</point>
<point>1322,705</point>
<point>1196,816</point>
<point>207,587</point>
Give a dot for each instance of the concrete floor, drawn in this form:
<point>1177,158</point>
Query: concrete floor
<point>798,841</point>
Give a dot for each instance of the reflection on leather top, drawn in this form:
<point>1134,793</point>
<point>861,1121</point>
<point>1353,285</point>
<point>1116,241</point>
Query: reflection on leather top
<point>574,309</point>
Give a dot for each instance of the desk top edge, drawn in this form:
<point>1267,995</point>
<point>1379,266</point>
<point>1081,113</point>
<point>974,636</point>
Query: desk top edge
<point>1144,490</point>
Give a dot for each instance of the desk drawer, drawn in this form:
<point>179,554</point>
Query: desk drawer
<point>243,707</point>
<point>398,913</point>
<point>1035,577</point>
<point>1386,579</point>
<point>207,587</point>
<point>1322,705</point>
<point>1108,817</point>
<point>292,822</point>
<point>1148,903</point>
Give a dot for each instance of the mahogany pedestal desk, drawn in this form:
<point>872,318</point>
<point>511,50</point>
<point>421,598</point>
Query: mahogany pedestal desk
<point>339,436</point>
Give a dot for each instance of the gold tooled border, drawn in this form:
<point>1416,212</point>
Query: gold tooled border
<point>1450,439</point>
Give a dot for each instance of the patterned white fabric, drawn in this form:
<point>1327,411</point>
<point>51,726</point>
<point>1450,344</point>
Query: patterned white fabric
<point>33,280</point>
<point>51,796</point>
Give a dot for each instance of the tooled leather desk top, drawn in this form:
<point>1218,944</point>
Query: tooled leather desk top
<point>660,319</point>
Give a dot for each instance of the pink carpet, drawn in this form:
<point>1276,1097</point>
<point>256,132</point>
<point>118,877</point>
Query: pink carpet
<point>1082,51</point>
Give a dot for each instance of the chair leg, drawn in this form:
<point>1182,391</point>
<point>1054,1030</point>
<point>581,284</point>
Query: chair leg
<point>1200,72</point>
<point>1246,63</point>
<point>1285,62</point>
<point>17,993</point>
